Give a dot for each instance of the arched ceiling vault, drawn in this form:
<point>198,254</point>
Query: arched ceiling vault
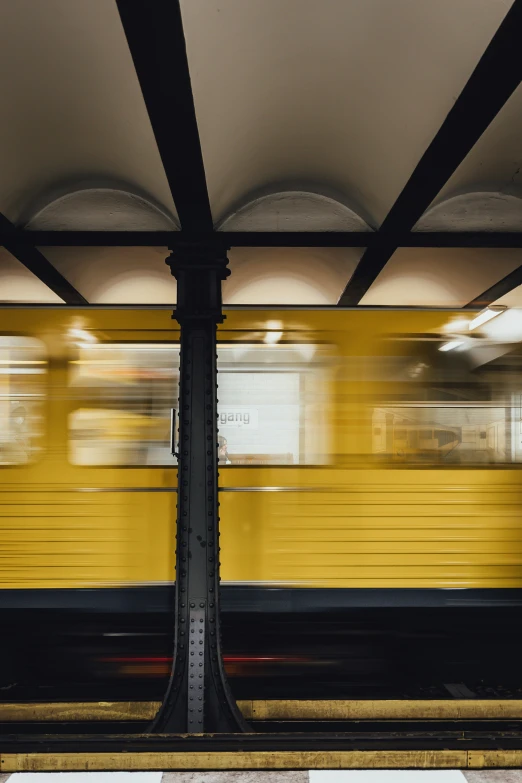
<point>347,151</point>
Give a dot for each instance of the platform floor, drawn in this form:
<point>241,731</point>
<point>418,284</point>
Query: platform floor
<point>273,776</point>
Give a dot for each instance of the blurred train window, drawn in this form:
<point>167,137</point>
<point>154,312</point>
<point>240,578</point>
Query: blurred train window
<point>271,407</point>
<point>125,393</point>
<point>270,412</point>
<point>432,407</point>
<point>23,371</point>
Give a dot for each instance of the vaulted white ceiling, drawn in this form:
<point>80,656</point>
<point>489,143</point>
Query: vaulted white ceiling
<point>312,116</point>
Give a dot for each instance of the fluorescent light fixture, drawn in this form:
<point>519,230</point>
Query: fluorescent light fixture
<point>82,336</point>
<point>274,335</point>
<point>486,315</point>
<point>457,325</point>
<point>451,345</point>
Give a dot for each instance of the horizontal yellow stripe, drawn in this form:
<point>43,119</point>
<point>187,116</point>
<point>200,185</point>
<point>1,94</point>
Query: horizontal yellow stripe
<point>432,709</point>
<point>277,709</point>
<point>71,711</point>
<point>354,759</point>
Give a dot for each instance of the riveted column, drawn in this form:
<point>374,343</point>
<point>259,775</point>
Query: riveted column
<point>198,697</point>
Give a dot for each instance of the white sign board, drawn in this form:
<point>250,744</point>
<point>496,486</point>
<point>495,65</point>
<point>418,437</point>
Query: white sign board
<point>238,416</point>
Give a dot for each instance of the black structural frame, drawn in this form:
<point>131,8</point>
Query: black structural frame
<point>365,239</point>
<point>491,84</point>
<point>198,697</point>
<point>35,261</point>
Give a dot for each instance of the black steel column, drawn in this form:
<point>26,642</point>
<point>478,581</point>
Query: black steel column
<point>198,698</point>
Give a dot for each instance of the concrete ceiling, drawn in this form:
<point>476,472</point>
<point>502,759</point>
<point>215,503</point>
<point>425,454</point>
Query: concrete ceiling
<point>311,116</point>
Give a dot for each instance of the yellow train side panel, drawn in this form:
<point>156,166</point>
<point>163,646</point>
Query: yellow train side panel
<point>351,523</point>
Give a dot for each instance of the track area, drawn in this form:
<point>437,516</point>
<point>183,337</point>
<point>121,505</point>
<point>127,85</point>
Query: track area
<point>275,647</point>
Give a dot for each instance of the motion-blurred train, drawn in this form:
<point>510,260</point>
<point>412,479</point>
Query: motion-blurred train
<point>370,500</point>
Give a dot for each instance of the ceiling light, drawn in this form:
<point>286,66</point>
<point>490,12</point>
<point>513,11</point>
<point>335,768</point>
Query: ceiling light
<point>456,325</point>
<point>272,337</point>
<point>451,345</point>
<point>486,315</point>
<point>82,336</point>
<point>275,332</point>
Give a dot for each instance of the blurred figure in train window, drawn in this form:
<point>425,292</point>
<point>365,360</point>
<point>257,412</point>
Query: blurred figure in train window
<point>222,451</point>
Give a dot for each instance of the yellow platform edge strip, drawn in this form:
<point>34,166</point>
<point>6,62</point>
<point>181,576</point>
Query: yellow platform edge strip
<point>352,759</point>
<point>433,709</point>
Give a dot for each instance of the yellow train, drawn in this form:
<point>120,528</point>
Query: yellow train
<point>362,466</point>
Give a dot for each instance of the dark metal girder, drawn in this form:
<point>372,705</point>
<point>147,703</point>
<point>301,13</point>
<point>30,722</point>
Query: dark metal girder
<point>36,262</point>
<point>491,84</point>
<point>154,31</point>
<point>449,239</point>
<point>503,287</point>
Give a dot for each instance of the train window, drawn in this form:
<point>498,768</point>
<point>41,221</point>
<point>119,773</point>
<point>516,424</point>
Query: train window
<point>124,393</point>
<point>23,369</point>
<point>271,404</point>
<point>269,410</point>
<point>461,408</point>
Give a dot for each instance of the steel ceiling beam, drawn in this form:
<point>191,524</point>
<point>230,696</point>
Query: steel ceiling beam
<point>154,31</point>
<point>472,239</point>
<point>491,84</point>
<point>31,258</point>
<point>503,287</point>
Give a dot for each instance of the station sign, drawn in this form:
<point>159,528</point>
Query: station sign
<point>242,416</point>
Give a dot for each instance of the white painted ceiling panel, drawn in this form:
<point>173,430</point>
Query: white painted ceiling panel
<point>342,95</point>
<point>307,276</point>
<point>18,284</point>
<point>116,275</point>
<point>494,165</point>
<point>440,277</point>
<point>72,108</point>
